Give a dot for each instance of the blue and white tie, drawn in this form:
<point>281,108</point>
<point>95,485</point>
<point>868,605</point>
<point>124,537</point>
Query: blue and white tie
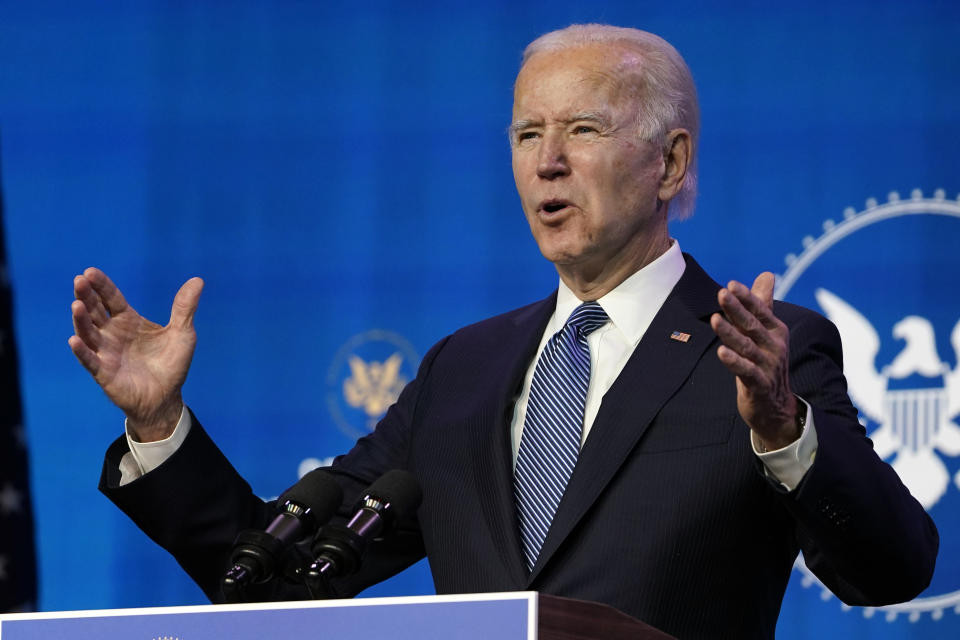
<point>553,426</point>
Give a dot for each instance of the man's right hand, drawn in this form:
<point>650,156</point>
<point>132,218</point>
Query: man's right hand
<point>139,364</point>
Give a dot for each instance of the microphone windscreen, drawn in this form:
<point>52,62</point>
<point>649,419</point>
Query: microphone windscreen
<point>400,489</point>
<point>318,491</point>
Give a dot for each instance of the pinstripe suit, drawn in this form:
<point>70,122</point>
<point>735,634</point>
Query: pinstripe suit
<point>668,515</point>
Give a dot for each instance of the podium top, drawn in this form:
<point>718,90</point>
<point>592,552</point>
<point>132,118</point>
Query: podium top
<point>524,615</point>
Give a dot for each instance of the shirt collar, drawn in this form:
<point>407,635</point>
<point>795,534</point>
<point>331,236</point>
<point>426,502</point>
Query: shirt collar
<point>633,303</point>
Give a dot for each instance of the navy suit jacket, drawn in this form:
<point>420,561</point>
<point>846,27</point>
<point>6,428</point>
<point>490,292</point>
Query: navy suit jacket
<point>668,515</point>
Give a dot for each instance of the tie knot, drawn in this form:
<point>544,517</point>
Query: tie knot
<point>588,317</point>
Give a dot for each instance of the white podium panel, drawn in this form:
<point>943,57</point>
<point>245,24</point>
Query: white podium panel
<point>505,616</point>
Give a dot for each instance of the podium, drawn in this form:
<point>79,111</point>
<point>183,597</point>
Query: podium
<point>522,615</point>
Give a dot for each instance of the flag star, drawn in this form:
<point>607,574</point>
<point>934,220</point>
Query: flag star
<point>3,567</point>
<point>10,499</point>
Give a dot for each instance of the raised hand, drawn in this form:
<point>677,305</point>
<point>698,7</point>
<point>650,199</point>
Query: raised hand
<point>139,364</point>
<point>756,349</point>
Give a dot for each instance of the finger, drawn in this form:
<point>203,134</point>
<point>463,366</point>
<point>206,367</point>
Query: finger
<point>83,325</point>
<point>741,317</point>
<point>89,359</point>
<point>747,371</point>
<point>763,288</point>
<point>735,340</point>
<point>113,300</point>
<point>754,304</point>
<point>185,304</point>
<point>84,292</point>
<point>766,330</point>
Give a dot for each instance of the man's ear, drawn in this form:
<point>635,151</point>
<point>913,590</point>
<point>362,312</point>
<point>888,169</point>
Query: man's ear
<point>677,154</point>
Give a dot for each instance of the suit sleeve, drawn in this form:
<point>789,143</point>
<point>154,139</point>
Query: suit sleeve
<point>195,503</point>
<point>862,533</point>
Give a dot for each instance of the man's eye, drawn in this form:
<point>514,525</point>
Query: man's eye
<point>582,128</point>
<point>527,135</point>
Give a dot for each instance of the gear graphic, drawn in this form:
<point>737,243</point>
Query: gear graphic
<point>853,221</point>
<point>796,264</point>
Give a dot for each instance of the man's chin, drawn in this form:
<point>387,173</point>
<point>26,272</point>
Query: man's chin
<point>565,259</point>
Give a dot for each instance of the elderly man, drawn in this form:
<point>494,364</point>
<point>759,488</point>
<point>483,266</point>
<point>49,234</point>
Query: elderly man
<point>642,437</point>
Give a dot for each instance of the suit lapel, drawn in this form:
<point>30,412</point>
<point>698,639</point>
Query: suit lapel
<point>659,365</point>
<point>494,469</point>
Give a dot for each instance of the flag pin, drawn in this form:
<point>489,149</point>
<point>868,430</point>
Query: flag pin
<point>680,336</point>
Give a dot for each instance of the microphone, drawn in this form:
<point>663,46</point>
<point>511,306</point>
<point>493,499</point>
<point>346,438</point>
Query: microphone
<point>302,509</point>
<point>339,549</point>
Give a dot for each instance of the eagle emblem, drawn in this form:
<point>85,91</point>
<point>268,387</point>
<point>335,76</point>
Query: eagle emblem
<point>373,386</point>
<point>914,398</point>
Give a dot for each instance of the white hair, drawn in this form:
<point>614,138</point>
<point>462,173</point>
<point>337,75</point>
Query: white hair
<point>661,82</point>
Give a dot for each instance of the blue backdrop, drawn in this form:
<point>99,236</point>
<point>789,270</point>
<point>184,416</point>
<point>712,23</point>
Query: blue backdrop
<point>310,157</point>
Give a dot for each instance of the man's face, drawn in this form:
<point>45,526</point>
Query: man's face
<point>587,183</point>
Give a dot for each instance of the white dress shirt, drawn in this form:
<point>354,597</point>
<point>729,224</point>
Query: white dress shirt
<point>631,307</point>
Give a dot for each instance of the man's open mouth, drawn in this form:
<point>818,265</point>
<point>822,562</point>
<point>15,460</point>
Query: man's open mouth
<point>552,206</point>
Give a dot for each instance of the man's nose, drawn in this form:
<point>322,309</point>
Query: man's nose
<point>552,161</point>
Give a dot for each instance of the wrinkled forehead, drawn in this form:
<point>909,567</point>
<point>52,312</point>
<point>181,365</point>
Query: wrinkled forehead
<point>598,71</point>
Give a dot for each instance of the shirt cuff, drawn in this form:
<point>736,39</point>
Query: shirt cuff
<point>144,457</point>
<point>789,464</point>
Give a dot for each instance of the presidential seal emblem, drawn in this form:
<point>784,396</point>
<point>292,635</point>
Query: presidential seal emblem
<point>887,278</point>
<point>366,376</point>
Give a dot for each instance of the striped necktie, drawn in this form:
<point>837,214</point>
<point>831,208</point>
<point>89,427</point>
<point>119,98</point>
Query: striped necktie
<point>553,427</point>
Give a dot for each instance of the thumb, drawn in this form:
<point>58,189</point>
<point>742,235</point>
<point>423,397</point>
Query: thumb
<point>763,287</point>
<point>185,304</point>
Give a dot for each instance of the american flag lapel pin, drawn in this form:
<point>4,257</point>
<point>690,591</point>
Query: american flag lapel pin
<point>680,336</point>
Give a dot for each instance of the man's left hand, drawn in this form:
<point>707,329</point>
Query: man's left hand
<point>755,349</point>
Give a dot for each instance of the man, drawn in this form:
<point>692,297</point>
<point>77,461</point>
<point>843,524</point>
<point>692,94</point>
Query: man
<point>642,437</point>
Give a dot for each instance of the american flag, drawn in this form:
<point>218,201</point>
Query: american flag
<point>18,576</point>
